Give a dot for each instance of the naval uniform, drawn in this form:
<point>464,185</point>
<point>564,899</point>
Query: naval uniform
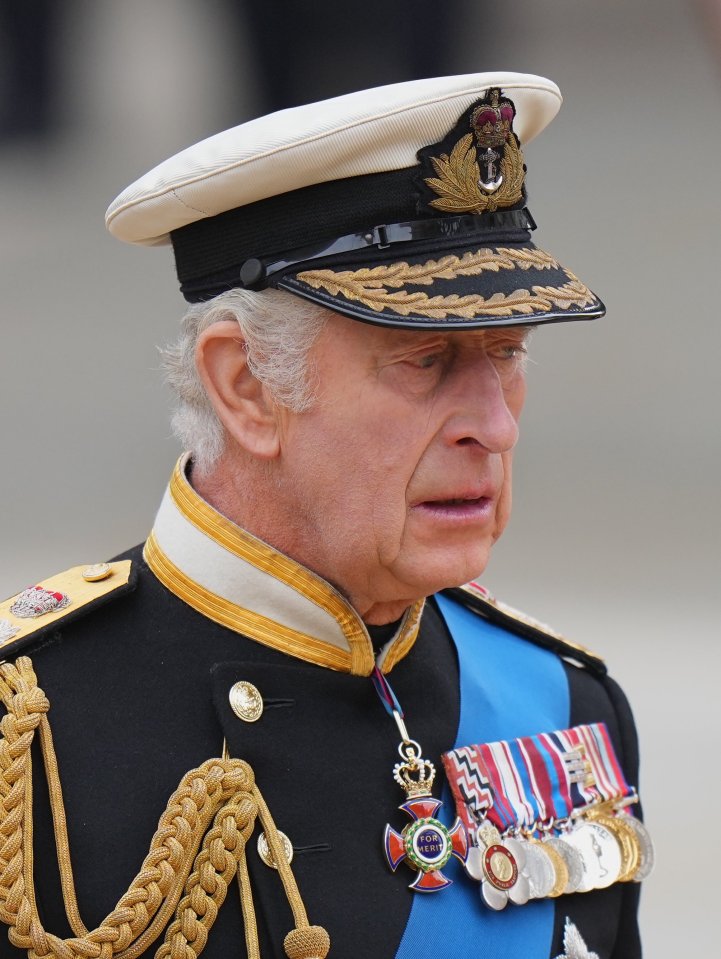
<point>138,681</point>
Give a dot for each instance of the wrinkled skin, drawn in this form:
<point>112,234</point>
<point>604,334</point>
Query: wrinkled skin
<point>397,481</point>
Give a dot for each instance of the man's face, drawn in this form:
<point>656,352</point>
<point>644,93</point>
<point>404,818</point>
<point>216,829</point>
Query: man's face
<point>397,481</point>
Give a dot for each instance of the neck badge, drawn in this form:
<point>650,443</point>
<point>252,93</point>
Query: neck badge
<point>426,844</point>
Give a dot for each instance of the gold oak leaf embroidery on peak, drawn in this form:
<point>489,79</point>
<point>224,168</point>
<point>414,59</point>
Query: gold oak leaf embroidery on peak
<point>458,179</point>
<point>447,268</point>
<point>374,287</point>
<point>539,298</point>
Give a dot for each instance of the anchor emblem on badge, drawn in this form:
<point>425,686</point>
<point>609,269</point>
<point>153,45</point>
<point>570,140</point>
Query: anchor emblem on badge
<point>425,843</point>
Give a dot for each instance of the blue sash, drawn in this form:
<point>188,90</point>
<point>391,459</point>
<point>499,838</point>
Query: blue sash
<point>509,688</point>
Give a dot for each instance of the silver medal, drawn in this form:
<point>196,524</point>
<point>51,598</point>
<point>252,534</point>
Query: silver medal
<point>474,864</point>
<point>497,864</point>
<point>600,853</point>
<point>520,892</point>
<point>494,898</point>
<point>540,871</point>
<point>572,857</point>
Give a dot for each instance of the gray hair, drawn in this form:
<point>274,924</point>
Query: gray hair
<point>278,329</point>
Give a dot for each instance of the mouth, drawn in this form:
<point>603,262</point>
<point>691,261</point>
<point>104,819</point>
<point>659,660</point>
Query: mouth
<point>457,508</point>
<point>457,501</point>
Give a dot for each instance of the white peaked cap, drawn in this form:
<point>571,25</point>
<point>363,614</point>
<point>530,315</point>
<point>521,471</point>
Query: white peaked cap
<point>370,131</point>
<point>403,205</point>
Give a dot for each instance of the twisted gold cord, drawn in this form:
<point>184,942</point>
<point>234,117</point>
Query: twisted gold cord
<point>197,850</point>
<point>60,827</point>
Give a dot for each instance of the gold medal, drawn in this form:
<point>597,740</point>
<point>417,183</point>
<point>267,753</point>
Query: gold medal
<point>559,867</point>
<point>647,856</point>
<point>627,842</point>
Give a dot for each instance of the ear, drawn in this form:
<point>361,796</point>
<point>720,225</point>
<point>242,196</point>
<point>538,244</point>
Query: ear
<point>241,402</point>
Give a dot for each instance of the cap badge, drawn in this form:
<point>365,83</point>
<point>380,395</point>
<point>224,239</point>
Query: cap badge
<point>484,169</point>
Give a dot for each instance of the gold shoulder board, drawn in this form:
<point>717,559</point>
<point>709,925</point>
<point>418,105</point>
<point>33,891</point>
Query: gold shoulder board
<point>481,601</point>
<point>59,598</point>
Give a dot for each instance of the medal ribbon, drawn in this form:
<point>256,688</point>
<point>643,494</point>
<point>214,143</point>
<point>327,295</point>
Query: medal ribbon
<point>386,694</point>
<point>535,779</point>
<point>595,745</point>
<point>468,778</point>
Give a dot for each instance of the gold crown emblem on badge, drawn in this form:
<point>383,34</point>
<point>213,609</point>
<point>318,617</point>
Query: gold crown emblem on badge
<point>415,776</point>
<point>484,170</point>
<point>492,120</point>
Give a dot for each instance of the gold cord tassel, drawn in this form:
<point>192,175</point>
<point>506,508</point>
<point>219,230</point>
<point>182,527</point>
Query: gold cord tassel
<point>215,805</point>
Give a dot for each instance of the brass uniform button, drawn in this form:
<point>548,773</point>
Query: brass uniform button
<point>267,856</point>
<point>246,702</point>
<point>96,572</point>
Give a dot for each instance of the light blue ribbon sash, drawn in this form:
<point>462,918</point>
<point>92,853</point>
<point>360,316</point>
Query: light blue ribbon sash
<point>509,688</point>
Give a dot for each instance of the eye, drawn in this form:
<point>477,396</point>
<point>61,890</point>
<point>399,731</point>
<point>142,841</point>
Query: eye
<point>509,351</point>
<point>426,362</point>
<point>509,358</point>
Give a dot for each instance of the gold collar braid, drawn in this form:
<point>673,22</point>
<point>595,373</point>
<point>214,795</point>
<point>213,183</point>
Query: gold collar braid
<point>197,850</point>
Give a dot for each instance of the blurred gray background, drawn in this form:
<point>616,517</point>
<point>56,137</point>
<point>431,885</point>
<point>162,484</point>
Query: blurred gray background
<point>616,527</point>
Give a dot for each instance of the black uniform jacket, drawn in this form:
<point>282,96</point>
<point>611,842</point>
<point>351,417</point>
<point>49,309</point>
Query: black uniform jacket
<point>138,683</point>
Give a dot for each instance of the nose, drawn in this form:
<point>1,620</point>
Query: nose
<point>485,408</point>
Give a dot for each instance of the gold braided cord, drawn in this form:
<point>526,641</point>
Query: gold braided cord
<point>278,853</point>
<point>197,850</point>
<point>252,945</point>
<point>60,827</point>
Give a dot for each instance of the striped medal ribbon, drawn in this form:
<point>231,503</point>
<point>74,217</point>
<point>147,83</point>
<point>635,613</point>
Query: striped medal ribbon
<point>557,805</point>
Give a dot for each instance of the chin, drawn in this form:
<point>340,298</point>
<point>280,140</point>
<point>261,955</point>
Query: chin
<point>454,572</point>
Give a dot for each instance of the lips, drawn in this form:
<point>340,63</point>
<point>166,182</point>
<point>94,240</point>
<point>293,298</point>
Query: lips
<point>475,494</point>
<point>455,510</point>
<point>455,501</point>
<point>459,502</point>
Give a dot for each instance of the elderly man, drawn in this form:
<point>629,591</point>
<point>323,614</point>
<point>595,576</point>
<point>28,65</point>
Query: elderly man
<point>304,614</point>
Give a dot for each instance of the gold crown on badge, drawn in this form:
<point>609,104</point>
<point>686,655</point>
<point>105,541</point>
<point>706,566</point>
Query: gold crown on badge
<point>415,776</point>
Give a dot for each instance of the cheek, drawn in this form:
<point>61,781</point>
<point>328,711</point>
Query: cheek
<point>391,437</point>
<point>503,510</point>
<point>386,458</point>
<point>359,473</point>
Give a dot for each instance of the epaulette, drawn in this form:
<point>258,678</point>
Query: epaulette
<point>481,601</point>
<point>27,616</point>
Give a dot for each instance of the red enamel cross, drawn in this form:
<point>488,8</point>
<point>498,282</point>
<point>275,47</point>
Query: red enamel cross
<point>426,844</point>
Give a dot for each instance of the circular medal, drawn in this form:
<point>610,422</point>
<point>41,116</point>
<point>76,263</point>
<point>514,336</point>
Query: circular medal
<point>559,867</point>
<point>600,853</point>
<point>540,871</point>
<point>428,844</point>
<point>628,843</point>
<point>499,866</point>
<point>647,856</point>
<point>572,858</point>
